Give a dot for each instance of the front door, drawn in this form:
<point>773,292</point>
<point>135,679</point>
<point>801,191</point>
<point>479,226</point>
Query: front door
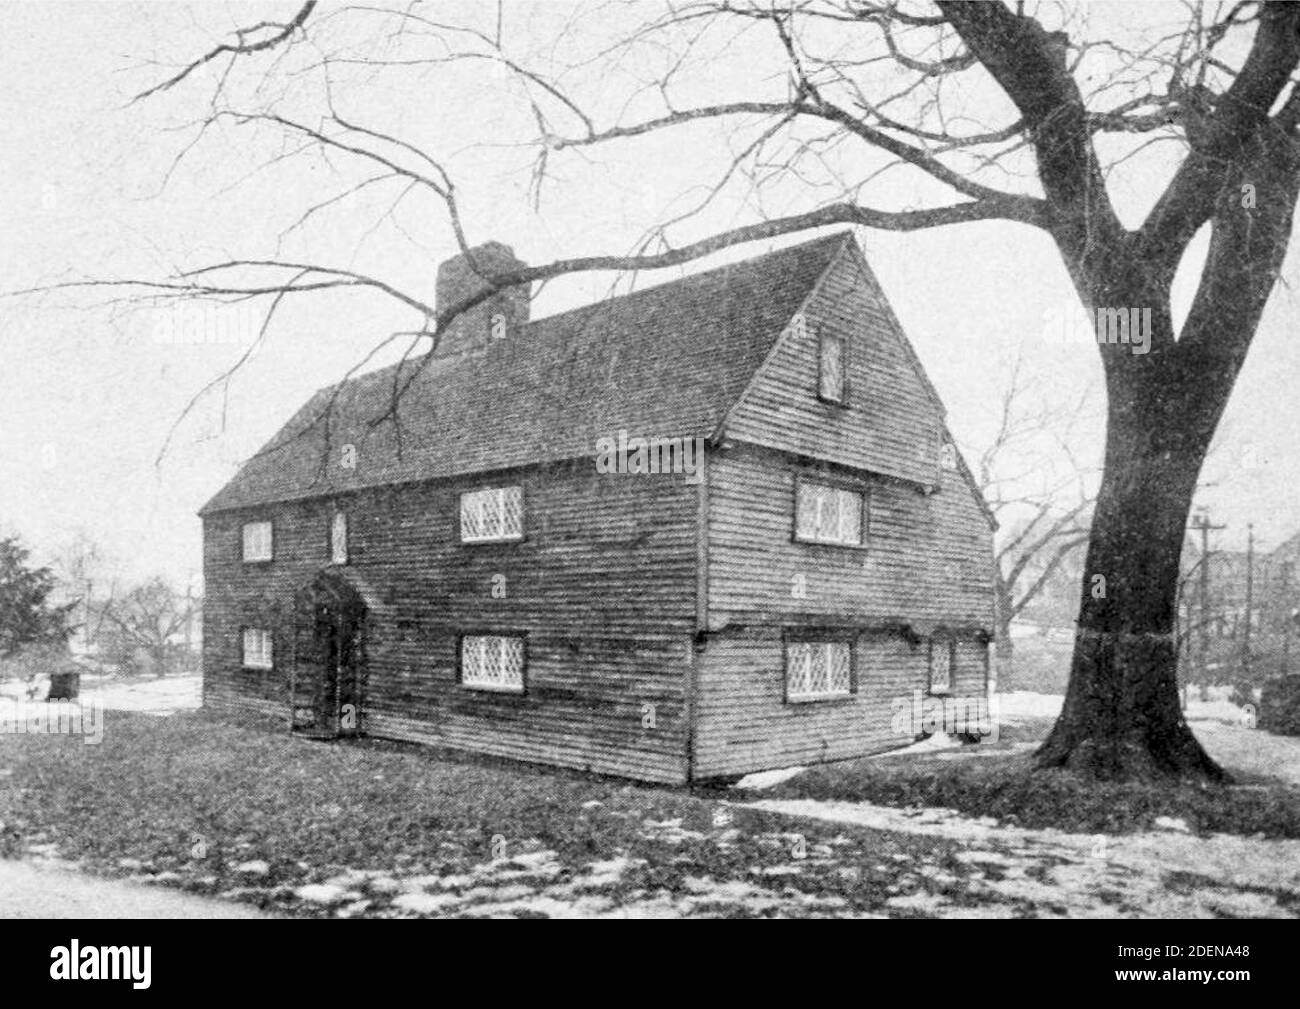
<point>329,670</point>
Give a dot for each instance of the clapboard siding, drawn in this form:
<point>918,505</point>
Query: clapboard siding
<point>603,587</point>
<point>655,610</point>
<point>891,422</point>
<point>927,558</point>
<point>744,723</point>
<point>924,571</point>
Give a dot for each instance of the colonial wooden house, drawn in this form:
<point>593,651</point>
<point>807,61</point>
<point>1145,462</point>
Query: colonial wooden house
<point>706,528</point>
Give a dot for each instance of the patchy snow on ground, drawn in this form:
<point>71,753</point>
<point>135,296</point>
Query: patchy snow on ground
<point>49,890</point>
<point>1158,874</point>
<point>770,779</point>
<point>1018,704</point>
<point>1224,729</point>
<point>164,696</point>
<point>1251,751</point>
<point>1013,870</point>
<point>1167,872</point>
<point>767,779</point>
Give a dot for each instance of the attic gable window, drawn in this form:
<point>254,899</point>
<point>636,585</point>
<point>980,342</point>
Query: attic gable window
<point>496,513</point>
<point>948,456</point>
<point>497,327</point>
<point>832,384</point>
<point>826,514</point>
<point>492,662</point>
<point>339,538</point>
<point>818,670</point>
<point>941,658</point>
<point>257,541</point>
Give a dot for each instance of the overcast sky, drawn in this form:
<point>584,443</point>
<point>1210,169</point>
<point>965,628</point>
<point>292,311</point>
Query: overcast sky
<point>89,393</point>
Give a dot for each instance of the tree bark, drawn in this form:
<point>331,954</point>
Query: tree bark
<point>1122,716</point>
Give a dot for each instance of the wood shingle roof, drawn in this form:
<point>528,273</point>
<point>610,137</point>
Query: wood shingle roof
<point>666,361</point>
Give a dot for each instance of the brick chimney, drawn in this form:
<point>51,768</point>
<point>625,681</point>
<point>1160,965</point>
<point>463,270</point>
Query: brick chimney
<point>499,317</point>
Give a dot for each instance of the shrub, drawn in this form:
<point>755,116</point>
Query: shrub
<point>1279,706</point>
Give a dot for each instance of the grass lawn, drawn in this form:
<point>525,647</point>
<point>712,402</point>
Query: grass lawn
<point>385,829</point>
<point>376,829</point>
<point>1004,787</point>
<point>997,780</point>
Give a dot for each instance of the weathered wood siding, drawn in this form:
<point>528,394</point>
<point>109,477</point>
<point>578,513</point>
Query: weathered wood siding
<point>603,586</point>
<point>745,724</point>
<point>645,598</point>
<point>925,569</point>
<point>926,566</point>
<point>927,557</point>
<point>891,424</point>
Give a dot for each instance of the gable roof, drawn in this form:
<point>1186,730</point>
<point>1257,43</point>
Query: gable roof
<point>665,361</point>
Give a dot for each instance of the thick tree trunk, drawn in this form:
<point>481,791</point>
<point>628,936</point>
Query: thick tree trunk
<point>1122,716</point>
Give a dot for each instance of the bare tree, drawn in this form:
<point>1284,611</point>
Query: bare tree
<point>990,110</point>
<point>152,616</point>
<point>1042,513</point>
<point>86,575</point>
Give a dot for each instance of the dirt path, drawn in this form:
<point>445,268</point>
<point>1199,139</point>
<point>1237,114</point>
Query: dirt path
<point>33,891</point>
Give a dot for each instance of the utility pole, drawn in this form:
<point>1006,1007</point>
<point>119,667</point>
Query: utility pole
<point>1286,617</point>
<point>189,620</point>
<point>1202,522</point>
<point>85,625</point>
<point>1250,597</point>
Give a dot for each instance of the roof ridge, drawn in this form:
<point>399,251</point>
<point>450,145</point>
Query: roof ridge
<point>672,354</point>
<point>842,235</point>
<point>701,275</point>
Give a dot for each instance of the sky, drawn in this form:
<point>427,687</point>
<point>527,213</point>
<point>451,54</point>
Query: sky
<point>92,438</point>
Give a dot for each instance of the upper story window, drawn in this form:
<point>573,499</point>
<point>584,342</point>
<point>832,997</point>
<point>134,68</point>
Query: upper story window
<point>941,656</point>
<point>948,455</point>
<point>257,648</point>
<point>826,514</point>
<point>496,513</point>
<point>497,327</point>
<point>818,670</point>
<point>492,662</point>
<point>339,538</point>
<point>832,383</point>
<point>257,541</point>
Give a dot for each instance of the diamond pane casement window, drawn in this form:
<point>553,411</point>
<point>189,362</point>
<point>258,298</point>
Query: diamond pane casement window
<point>940,666</point>
<point>339,538</point>
<point>496,513</point>
<point>832,381</point>
<point>492,662</point>
<point>825,514</point>
<point>257,541</point>
<point>817,670</point>
<point>257,648</point>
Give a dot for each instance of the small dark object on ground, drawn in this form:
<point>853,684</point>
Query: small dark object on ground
<point>64,686</point>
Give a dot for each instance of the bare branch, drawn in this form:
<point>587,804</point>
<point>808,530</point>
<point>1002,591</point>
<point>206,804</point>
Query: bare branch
<point>282,31</point>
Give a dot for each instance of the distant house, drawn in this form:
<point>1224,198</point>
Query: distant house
<point>702,529</point>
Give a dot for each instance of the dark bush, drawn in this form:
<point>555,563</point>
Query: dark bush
<point>1279,706</point>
